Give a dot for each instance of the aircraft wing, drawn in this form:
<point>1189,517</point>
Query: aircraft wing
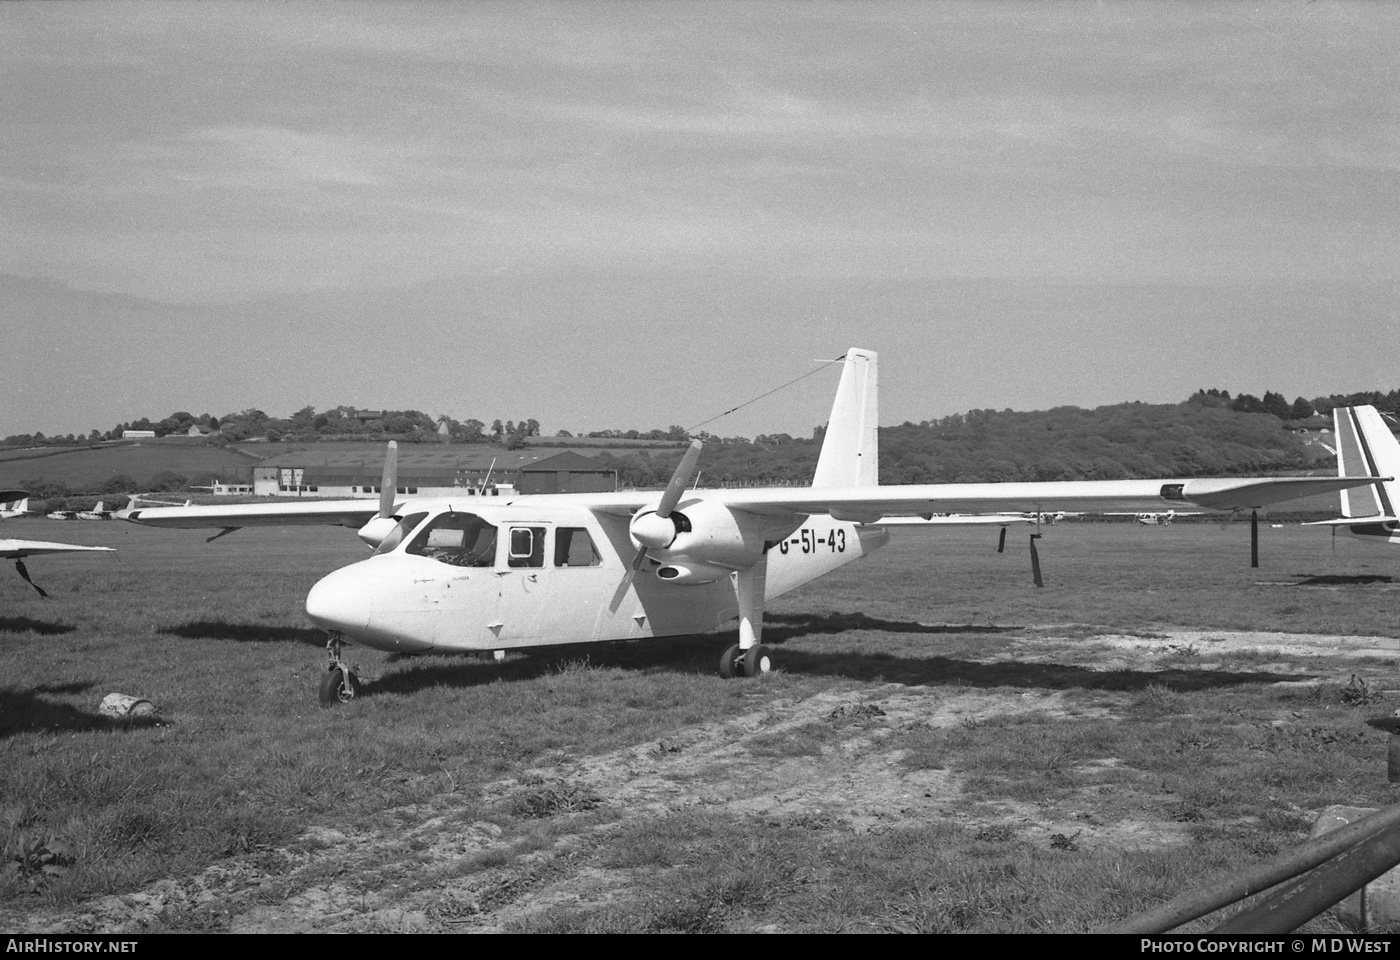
<point>868,504</point>
<point>18,549</point>
<point>345,513</point>
<point>957,520</point>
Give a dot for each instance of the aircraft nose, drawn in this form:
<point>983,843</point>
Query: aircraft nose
<point>339,601</point>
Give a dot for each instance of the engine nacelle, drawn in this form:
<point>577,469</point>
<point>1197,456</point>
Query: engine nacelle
<point>374,532</point>
<point>688,572</point>
<point>705,533</point>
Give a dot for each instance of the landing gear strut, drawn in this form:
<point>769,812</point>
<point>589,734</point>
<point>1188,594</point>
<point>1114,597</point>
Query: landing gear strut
<point>339,685</point>
<point>756,660</point>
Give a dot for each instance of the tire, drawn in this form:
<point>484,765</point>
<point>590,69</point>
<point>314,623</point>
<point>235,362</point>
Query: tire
<point>757,660</point>
<point>338,686</point>
<point>728,669</point>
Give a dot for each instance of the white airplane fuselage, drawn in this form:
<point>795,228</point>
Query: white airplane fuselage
<point>517,575</point>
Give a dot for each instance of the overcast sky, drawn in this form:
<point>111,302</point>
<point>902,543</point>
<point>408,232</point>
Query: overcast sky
<point>618,215</point>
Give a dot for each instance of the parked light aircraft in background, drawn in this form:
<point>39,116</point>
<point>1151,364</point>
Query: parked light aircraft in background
<point>17,550</point>
<point>459,575</point>
<point>97,513</point>
<point>14,508</point>
<point>1365,445</point>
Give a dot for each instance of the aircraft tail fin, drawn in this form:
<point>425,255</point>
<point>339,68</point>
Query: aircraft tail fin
<point>850,454</point>
<point>1366,447</point>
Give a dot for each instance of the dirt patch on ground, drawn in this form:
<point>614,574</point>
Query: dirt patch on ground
<point>427,869</point>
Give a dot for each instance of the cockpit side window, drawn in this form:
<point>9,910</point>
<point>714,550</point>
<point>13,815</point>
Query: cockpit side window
<point>526,546</point>
<point>459,539</point>
<point>395,537</point>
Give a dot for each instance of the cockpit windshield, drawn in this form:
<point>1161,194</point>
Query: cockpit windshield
<point>459,539</point>
<point>395,537</point>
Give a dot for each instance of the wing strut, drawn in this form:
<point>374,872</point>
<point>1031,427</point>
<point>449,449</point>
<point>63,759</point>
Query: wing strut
<point>24,572</point>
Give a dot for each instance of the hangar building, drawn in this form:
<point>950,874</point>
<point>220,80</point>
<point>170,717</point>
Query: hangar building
<point>354,470</point>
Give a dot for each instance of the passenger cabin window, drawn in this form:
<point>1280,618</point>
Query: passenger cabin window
<point>460,539</point>
<point>526,546</point>
<point>573,547</point>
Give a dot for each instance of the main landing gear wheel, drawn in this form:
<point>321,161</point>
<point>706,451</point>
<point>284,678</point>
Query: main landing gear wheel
<point>338,686</point>
<point>757,660</point>
<point>729,663</point>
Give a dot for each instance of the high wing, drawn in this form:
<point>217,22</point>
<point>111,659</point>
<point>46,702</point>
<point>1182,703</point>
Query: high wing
<point>958,520</point>
<point>19,549</point>
<point>344,513</point>
<point>871,504</point>
<point>372,519</point>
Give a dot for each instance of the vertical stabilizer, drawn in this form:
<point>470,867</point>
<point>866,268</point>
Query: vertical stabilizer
<point>850,452</point>
<point>1366,447</point>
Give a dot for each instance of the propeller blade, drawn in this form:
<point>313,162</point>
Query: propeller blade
<point>685,470</point>
<point>627,580</point>
<point>1001,541</point>
<point>1035,561</point>
<point>390,482</point>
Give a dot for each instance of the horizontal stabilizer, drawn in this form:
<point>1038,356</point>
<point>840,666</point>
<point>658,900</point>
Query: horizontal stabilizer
<point>17,549</point>
<point>1351,521</point>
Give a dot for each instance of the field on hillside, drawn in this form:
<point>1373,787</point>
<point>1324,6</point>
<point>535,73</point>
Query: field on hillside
<point>944,747</point>
<point>87,468</point>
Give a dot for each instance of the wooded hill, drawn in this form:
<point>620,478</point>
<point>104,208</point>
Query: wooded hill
<point>1124,441</point>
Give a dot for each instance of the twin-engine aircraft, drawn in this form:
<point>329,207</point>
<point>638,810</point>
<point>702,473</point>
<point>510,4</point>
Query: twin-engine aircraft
<point>462,575</point>
<point>1365,445</point>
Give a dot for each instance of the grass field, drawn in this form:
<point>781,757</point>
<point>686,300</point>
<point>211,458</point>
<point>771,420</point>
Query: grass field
<point>945,748</point>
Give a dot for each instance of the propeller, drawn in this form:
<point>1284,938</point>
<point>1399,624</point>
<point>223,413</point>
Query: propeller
<point>389,484</point>
<point>382,525</point>
<point>656,530</point>
<point>1035,561</point>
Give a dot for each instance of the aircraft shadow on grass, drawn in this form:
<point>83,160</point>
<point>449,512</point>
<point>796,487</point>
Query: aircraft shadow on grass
<point>245,632</point>
<point>781,627</point>
<point>25,711</point>
<point>947,671</point>
<point>27,624</point>
<point>1342,580</point>
<point>695,654</point>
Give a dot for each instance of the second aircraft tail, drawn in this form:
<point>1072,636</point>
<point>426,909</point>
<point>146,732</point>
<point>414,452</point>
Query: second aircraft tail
<point>1366,447</point>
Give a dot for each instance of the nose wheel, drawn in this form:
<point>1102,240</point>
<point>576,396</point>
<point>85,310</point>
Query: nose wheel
<point>339,684</point>
<point>735,662</point>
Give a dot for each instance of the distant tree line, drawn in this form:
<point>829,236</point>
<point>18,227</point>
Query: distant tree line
<point>342,422</point>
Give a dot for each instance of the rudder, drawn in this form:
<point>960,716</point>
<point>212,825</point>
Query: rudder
<point>850,454</point>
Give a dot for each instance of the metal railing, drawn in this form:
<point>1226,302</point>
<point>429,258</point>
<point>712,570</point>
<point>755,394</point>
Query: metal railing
<point>1324,871</point>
